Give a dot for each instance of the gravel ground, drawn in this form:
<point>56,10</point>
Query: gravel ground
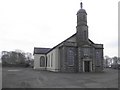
<point>15,77</point>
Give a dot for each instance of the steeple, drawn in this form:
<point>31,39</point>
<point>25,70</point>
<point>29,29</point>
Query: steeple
<point>82,28</point>
<point>81,15</point>
<point>81,5</point>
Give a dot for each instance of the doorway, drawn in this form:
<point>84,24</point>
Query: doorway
<point>87,66</point>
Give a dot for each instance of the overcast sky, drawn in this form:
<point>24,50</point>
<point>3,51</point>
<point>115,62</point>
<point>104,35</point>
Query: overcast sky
<point>25,24</point>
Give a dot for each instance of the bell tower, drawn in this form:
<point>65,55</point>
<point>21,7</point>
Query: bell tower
<point>81,36</point>
<point>82,28</point>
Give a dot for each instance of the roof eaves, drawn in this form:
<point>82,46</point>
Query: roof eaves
<point>61,43</point>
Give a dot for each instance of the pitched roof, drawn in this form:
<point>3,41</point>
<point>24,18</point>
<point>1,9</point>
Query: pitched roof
<point>47,50</point>
<point>66,40</point>
<point>61,42</point>
<point>38,50</point>
<point>91,41</point>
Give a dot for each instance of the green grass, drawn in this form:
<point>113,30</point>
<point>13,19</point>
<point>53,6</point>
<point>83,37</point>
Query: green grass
<point>30,78</point>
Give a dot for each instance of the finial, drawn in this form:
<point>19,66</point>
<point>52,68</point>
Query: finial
<point>81,4</point>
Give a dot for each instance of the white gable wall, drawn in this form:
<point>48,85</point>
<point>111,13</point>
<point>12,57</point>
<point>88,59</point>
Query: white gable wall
<point>37,61</point>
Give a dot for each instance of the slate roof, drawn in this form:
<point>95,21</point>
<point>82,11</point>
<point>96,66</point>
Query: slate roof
<point>38,50</point>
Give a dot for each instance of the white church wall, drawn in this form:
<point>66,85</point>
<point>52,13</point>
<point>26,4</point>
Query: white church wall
<point>52,60</point>
<point>37,61</point>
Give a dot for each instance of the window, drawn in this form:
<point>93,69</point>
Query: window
<point>42,61</point>
<point>86,52</point>
<point>98,57</point>
<point>70,56</point>
<point>85,35</point>
<point>51,59</point>
<point>48,61</point>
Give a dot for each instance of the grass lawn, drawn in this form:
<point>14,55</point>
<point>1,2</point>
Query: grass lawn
<point>16,77</point>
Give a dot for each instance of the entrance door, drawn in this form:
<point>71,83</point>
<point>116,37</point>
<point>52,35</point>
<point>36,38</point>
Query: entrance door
<point>87,66</point>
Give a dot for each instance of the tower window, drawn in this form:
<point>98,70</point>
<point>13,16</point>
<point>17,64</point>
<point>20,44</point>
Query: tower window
<point>85,35</point>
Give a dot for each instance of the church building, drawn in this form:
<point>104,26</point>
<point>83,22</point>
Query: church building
<point>75,54</point>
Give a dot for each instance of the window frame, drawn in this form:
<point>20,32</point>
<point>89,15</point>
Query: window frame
<point>70,56</point>
<point>42,61</point>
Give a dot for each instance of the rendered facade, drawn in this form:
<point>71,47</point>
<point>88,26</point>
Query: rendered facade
<point>75,54</point>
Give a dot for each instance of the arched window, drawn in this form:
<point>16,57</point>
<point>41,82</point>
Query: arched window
<point>70,56</point>
<point>98,58</point>
<point>85,35</point>
<point>51,59</point>
<point>42,61</point>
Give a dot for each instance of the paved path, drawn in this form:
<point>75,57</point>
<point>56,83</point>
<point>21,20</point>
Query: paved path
<point>29,78</point>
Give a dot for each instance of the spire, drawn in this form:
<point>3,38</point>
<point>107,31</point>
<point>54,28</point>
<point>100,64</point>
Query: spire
<point>81,10</point>
<point>81,5</point>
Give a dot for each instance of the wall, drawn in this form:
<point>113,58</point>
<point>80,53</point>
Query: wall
<point>37,61</point>
<point>72,39</point>
<point>65,58</point>
<point>53,58</point>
